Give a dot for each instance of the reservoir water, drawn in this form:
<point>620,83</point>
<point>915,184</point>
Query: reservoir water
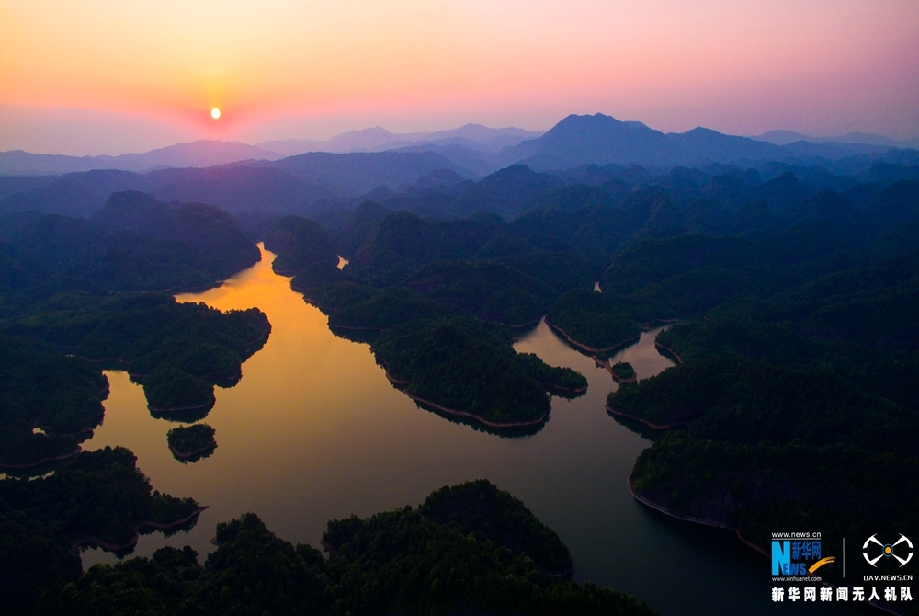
<point>314,431</point>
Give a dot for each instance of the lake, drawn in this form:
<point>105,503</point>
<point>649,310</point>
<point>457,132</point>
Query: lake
<point>314,431</point>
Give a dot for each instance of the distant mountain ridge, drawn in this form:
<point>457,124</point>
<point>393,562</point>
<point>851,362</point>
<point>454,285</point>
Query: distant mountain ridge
<point>378,139</point>
<point>602,140</point>
<point>195,154</point>
<point>785,137</point>
<point>288,184</point>
<point>575,141</point>
<point>472,138</point>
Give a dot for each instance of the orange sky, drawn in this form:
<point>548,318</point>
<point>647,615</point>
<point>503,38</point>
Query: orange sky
<point>148,72</point>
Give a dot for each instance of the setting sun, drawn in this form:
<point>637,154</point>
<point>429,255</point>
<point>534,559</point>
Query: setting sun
<point>215,113</point>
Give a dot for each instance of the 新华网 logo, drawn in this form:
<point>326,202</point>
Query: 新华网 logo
<point>798,558</point>
<point>874,550</point>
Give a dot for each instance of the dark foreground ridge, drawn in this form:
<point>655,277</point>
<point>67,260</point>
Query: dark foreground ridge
<point>468,549</point>
<point>96,498</point>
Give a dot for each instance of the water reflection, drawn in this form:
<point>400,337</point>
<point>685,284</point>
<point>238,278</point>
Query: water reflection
<point>638,427</point>
<point>315,431</point>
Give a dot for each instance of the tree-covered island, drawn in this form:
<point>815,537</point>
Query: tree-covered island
<point>190,443</point>
<point>466,367</point>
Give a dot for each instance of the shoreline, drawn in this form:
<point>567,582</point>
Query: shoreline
<point>394,380</point>
<point>178,409</point>
<point>63,456</point>
<point>352,327</point>
<point>142,525</point>
<point>648,423</point>
<point>585,347</point>
<point>579,390</point>
<point>669,512</point>
<point>709,523</point>
<point>464,414</point>
<point>285,273</point>
<point>661,347</point>
<point>189,454</point>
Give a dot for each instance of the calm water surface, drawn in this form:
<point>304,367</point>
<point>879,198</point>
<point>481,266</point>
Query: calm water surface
<point>314,431</point>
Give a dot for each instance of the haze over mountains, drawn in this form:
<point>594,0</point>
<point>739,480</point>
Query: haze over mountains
<point>784,137</point>
<point>602,140</point>
<point>471,138</point>
<point>439,176</point>
<point>576,140</point>
<point>196,154</point>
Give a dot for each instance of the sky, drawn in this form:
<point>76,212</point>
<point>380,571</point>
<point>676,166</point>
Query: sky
<point>116,76</point>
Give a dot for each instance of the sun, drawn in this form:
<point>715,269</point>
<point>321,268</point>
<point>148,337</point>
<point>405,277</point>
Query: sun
<point>215,113</point>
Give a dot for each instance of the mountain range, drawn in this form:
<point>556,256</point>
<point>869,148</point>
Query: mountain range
<point>465,146</point>
<point>784,137</point>
<point>472,136</point>
<point>602,140</point>
<point>287,184</point>
<point>196,154</point>
<point>478,150</point>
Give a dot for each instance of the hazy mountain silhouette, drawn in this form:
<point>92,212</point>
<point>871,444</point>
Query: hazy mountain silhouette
<point>781,137</point>
<point>711,146</point>
<point>61,196</point>
<point>209,229</point>
<point>784,137</point>
<point>444,195</point>
<point>378,139</point>
<point>489,139</point>
<point>602,140</point>
<point>234,188</point>
<point>457,153</point>
<point>11,185</point>
<point>592,140</point>
<point>195,154</point>
<point>285,185</point>
<point>575,141</point>
<point>355,174</point>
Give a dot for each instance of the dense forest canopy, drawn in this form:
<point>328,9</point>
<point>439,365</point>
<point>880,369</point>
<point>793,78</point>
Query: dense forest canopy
<point>191,443</point>
<point>469,548</point>
<point>96,498</point>
<point>498,385</point>
<point>48,403</point>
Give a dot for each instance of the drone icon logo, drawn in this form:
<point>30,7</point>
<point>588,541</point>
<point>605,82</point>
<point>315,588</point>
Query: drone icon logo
<point>887,550</point>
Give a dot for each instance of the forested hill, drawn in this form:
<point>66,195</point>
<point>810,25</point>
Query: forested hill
<point>214,235</point>
<point>77,296</point>
<point>134,243</point>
